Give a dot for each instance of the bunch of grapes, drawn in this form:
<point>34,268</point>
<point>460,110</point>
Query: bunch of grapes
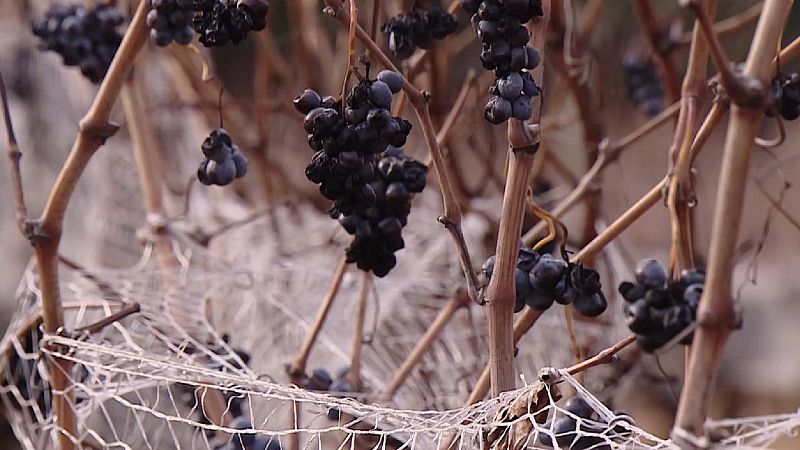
<point>84,37</point>
<point>500,27</point>
<point>171,20</point>
<point>570,435</point>
<point>224,161</point>
<point>643,84</point>
<point>221,21</point>
<point>349,139</point>
<point>378,229</point>
<point>321,381</point>
<point>786,95</point>
<point>540,280</point>
<point>656,309</point>
<point>418,29</point>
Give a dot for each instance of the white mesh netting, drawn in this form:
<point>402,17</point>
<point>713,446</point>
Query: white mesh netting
<point>202,365</point>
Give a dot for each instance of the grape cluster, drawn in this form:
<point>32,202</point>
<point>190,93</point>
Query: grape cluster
<point>224,161</point>
<point>657,309</point>
<point>377,229</point>
<point>84,37</point>
<point>371,193</point>
<point>418,29</point>
<point>500,27</point>
<point>171,20</point>
<point>644,85</point>
<point>569,434</point>
<point>321,381</point>
<point>221,21</point>
<point>786,95</point>
<point>540,280</point>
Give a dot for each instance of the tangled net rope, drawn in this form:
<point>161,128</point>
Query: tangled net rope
<point>150,380</point>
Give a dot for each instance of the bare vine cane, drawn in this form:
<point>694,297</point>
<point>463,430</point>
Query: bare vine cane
<point>14,157</point>
<point>523,140</point>
<point>693,95</point>
<point>459,300</point>
<point>716,313</point>
<point>296,369</point>
<point>563,56</point>
<point>730,25</point>
<point>663,53</point>
<point>354,375</point>
<point>608,153</point>
<point>45,233</point>
<point>419,100</point>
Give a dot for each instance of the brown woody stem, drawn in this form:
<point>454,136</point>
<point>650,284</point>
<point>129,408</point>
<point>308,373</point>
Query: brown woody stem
<point>655,36</point>
<point>358,336</point>
<point>297,368</point>
<point>460,300</point>
<point>716,312</point>
<point>14,156</point>
<point>93,131</point>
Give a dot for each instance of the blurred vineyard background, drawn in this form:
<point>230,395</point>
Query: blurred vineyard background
<point>761,372</point>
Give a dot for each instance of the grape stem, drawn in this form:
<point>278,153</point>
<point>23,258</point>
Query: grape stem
<point>420,102</point>
<point>716,311</point>
<point>459,300</point>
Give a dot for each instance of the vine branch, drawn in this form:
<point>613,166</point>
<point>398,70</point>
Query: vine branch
<point>716,311</point>
<point>14,157</point>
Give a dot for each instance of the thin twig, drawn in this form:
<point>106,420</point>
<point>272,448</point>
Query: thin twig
<point>608,153</point>
<point>579,86</point>
<point>655,35</point>
<point>693,94</point>
<point>727,26</point>
<point>376,18</point>
<point>739,89</point>
<point>98,326</point>
<point>14,156</point>
<point>354,374</point>
<point>460,300</point>
<point>603,357</point>
<point>451,217</point>
<point>297,368</point>
<point>777,205</point>
<point>716,311</point>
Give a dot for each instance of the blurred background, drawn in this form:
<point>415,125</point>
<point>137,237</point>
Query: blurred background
<point>302,47</point>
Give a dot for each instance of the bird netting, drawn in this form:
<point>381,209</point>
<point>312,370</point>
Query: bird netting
<point>213,328</point>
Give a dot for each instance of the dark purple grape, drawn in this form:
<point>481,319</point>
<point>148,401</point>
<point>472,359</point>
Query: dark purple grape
<point>497,110</point>
<point>307,101</point>
<point>392,79</point>
<point>579,407</point>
